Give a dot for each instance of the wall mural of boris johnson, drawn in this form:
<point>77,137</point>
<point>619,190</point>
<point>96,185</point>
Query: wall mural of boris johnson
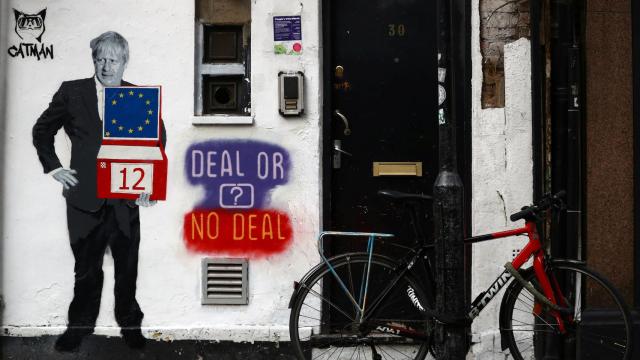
<point>94,222</point>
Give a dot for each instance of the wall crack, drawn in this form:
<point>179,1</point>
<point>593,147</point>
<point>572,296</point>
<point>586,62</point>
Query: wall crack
<point>504,208</point>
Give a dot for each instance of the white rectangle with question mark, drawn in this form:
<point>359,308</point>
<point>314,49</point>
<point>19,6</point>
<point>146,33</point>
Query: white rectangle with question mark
<point>236,196</point>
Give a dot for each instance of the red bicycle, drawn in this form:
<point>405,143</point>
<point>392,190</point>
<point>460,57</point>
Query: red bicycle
<point>365,305</point>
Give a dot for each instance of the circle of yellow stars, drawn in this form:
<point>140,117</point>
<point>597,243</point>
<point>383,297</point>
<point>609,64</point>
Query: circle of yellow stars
<point>130,130</point>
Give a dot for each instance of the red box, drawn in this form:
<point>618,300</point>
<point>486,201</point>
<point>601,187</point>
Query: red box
<point>129,165</point>
<point>126,171</point>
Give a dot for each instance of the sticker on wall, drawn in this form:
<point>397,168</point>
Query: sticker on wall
<point>29,29</point>
<point>238,177</point>
<point>287,35</point>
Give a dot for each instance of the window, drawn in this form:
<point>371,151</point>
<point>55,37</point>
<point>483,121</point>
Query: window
<point>223,53</point>
<point>222,44</point>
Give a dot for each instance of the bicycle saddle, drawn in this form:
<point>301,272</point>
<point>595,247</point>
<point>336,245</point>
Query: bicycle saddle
<point>397,195</point>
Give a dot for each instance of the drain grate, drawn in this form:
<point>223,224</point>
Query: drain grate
<point>225,281</point>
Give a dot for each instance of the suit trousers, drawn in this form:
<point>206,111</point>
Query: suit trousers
<point>89,253</point>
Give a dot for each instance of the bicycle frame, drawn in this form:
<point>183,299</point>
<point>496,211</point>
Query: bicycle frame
<point>534,250</point>
<point>361,303</point>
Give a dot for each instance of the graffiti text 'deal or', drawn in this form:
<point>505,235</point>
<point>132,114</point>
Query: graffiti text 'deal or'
<point>226,168</point>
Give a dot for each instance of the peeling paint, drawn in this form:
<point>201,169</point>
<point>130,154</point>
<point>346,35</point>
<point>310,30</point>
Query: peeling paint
<point>501,173</point>
<point>501,22</point>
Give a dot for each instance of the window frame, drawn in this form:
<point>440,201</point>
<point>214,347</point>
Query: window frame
<point>202,69</point>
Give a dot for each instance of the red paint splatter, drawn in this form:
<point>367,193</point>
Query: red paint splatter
<point>254,233</point>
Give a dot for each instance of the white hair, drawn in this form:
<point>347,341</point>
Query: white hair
<point>110,38</point>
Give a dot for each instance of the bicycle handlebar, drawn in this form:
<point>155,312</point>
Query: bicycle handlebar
<point>545,203</point>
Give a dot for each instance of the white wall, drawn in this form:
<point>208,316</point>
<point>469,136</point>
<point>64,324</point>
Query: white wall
<point>502,178</point>
<point>37,263</point>
<point>4,21</point>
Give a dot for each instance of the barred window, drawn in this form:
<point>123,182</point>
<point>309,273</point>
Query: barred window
<point>223,57</point>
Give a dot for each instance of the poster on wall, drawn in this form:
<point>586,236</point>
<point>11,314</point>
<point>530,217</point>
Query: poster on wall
<point>287,35</point>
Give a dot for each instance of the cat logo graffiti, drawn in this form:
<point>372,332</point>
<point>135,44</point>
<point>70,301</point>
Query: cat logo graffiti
<point>30,28</point>
<point>30,25</point>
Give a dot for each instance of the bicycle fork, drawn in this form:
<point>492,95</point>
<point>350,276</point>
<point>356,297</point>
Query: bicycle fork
<point>541,298</point>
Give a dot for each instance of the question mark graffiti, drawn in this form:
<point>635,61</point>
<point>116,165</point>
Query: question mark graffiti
<point>239,190</point>
<point>237,196</point>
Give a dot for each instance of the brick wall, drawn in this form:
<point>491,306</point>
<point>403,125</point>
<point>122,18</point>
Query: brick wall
<point>501,22</point>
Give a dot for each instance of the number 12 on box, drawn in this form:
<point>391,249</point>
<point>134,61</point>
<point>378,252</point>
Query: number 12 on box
<point>131,178</point>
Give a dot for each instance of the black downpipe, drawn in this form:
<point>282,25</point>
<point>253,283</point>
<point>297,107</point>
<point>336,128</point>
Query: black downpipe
<point>558,98</point>
<point>574,138</point>
<point>635,20</point>
<point>451,341</point>
<point>462,36</point>
<point>566,137</point>
<point>537,99</point>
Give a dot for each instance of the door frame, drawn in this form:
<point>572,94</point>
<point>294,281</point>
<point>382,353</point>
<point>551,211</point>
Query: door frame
<point>635,63</point>
<point>460,103</point>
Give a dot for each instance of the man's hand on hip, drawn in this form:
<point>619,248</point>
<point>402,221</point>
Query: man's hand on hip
<point>66,178</point>
<point>143,200</point>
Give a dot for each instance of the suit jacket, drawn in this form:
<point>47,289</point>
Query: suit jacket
<point>74,107</point>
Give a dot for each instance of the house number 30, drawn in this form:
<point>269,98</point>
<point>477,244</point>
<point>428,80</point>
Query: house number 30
<point>397,30</point>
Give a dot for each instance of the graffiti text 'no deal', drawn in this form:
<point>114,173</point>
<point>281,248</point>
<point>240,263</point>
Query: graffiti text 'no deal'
<point>237,232</point>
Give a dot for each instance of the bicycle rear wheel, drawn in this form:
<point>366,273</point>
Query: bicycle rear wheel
<point>598,326</point>
<point>325,324</point>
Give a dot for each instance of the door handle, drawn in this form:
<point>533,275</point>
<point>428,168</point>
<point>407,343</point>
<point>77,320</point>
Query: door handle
<point>337,147</point>
<point>347,131</point>
<point>337,155</point>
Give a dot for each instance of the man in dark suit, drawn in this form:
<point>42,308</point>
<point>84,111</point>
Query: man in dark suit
<point>93,223</point>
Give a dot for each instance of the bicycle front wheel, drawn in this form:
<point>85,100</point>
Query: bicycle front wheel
<point>597,327</point>
<point>327,321</point>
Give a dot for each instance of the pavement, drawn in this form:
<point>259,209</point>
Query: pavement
<point>96,347</point>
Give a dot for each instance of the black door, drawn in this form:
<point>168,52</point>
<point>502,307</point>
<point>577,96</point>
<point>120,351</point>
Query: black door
<point>381,81</point>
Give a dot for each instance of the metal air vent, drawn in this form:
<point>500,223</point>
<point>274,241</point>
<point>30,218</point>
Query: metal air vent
<point>225,281</point>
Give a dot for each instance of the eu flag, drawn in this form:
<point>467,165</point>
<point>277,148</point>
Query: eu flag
<point>131,112</point>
